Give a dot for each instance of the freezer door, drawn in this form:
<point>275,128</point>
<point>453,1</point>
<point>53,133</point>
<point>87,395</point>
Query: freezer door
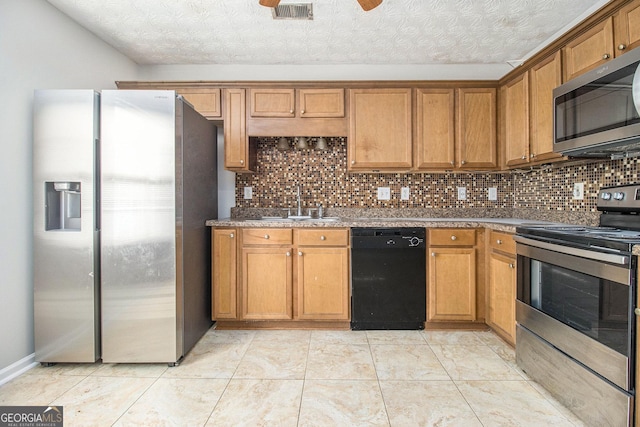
<point>140,300</point>
<point>66,228</point>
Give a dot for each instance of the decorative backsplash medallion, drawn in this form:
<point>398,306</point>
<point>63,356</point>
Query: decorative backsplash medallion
<point>541,193</point>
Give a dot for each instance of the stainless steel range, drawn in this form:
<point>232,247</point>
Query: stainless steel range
<point>575,309</point>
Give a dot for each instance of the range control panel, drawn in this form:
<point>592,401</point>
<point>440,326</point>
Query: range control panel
<point>623,199</point>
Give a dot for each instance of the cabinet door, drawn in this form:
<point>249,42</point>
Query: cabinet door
<point>321,102</point>
<point>516,120</point>
<point>544,77</point>
<point>435,138</point>
<point>205,101</point>
<point>590,50</point>
<point>272,102</point>
<point>502,294</point>
<point>323,283</point>
<point>476,128</point>
<point>224,283</point>
<point>380,129</point>
<point>627,27</point>
<point>267,278</point>
<point>452,284</point>
<point>236,143</point>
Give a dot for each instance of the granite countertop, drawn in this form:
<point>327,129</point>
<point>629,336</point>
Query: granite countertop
<point>499,224</point>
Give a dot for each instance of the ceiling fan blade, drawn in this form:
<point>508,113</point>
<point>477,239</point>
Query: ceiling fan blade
<point>369,4</point>
<point>269,3</point>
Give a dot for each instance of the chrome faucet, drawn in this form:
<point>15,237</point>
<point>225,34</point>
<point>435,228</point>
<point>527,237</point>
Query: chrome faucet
<point>299,210</point>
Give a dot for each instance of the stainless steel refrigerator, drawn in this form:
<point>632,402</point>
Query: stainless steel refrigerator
<point>150,250</point>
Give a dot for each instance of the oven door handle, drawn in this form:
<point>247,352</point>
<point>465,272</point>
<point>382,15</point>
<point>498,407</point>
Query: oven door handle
<point>583,253</point>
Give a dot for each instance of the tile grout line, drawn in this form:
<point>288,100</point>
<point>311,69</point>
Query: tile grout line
<point>375,369</point>
<point>228,381</point>
<point>304,377</point>
<point>138,398</point>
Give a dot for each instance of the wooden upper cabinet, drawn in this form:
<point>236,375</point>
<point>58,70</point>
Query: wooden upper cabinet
<point>627,28</point>
<point>304,103</point>
<point>205,101</point>
<point>380,136</point>
<point>515,103</point>
<point>476,128</point>
<point>272,102</point>
<point>543,78</point>
<point>589,50</point>
<point>321,102</point>
<point>237,152</point>
<point>435,136</point>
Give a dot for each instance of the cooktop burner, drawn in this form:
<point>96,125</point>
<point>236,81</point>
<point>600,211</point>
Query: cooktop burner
<point>599,237</point>
<point>619,228</point>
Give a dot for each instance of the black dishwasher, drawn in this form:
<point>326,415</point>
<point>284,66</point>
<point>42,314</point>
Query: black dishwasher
<point>388,278</point>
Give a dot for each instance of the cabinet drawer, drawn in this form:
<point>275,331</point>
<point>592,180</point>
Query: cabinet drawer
<point>267,236</point>
<point>502,242</point>
<point>452,237</point>
<point>322,237</point>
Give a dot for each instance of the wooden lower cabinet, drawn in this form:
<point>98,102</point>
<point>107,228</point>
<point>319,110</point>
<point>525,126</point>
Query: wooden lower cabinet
<point>223,270</point>
<point>276,274</point>
<point>501,298</point>
<point>451,264</point>
<point>267,283</point>
<point>323,283</point>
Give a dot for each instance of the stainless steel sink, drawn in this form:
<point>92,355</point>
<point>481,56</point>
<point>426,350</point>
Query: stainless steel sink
<point>294,219</point>
<point>324,219</point>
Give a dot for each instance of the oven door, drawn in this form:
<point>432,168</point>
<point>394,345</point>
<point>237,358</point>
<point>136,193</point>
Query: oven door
<point>579,301</point>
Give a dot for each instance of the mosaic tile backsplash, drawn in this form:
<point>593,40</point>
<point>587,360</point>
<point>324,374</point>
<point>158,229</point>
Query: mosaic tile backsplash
<point>540,193</point>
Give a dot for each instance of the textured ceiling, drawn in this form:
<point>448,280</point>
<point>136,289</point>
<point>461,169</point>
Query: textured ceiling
<point>397,32</point>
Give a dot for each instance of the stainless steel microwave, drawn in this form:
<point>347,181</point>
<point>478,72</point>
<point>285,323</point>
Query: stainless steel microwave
<point>597,114</point>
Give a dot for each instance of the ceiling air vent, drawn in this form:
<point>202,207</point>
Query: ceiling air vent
<point>302,11</point>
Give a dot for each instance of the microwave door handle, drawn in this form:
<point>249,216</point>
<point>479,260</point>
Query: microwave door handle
<point>583,253</point>
<point>636,89</point>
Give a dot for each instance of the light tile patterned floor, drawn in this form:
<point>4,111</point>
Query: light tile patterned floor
<point>304,378</point>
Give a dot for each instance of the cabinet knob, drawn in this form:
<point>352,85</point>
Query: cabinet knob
<point>266,236</point>
<point>511,265</point>
<point>454,237</point>
<point>231,235</point>
<point>622,46</point>
<point>290,111</point>
<point>353,162</point>
<point>606,56</point>
<point>242,162</point>
<point>532,155</point>
<point>288,253</point>
<point>452,163</point>
<point>523,157</point>
<point>301,111</point>
<point>433,254</point>
<point>636,311</point>
<point>464,162</point>
<point>323,238</point>
<point>300,253</point>
<point>499,241</point>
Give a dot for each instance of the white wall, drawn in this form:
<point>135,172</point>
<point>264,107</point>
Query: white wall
<point>219,72</point>
<point>40,48</point>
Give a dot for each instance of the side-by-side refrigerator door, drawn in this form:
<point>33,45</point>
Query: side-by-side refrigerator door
<point>66,226</point>
<point>138,234</point>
